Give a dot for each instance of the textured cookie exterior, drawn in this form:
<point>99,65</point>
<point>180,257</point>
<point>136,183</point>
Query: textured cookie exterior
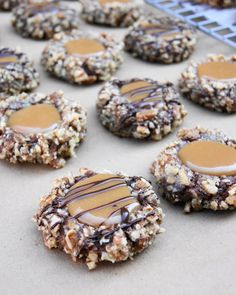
<point>179,184</point>
<point>75,69</point>
<point>154,48</point>
<point>115,14</point>
<point>138,120</point>
<point>20,76</point>
<point>213,94</point>
<point>92,245</point>
<point>43,25</point>
<point>51,148</point>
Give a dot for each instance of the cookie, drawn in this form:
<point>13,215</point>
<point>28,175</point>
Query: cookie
<point>198,170</point>
<point>115,13</point>
<point>7,5</point>
<point>140,108</point>
<point>82,57</point>
<point>38,128</point>
<point>17,72</point>
<point>211,83</point>
<point>100,216</point>
<point>218,3</point>
<point>43,19</point>
<point>160,39</point>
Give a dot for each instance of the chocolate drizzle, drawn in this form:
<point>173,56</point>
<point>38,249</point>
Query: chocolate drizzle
<point>141,92</point>
<point>100,199</point>
<point>160,30</point>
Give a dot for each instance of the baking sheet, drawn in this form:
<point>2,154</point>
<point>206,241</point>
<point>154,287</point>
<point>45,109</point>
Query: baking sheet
<point>196,254</point>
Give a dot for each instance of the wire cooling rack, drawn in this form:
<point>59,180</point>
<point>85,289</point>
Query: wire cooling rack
<point>219,23</point>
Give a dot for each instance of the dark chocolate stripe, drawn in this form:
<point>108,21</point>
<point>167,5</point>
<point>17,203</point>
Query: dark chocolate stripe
<point>77,189</point>
<point>76,195</point>
<point>152,92</point>
<point>103,206</point>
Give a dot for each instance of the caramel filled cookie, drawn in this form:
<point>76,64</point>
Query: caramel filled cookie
<point>160,39</point>
<point>115,13</point>
<point>211,83</point>
<point>7,5</point>
<point>199,170</point>
<point>82,58</point>
<point>17,72</point>
<point>100,216</point>
<point>218,3</point>
<point>38,128</point>
<point>41,20</point>
<point>140,108</point>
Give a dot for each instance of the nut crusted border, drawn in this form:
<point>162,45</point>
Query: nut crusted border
<point>73,68</point>
<point>17,77</point>
<point>122,119</point>
<point>180,184</point>
<point>115,14</point>
<point>93,245</point>
<point>51,148</point>
<point>213,94</point>
<point>43,25</point>
<point>154,49</point>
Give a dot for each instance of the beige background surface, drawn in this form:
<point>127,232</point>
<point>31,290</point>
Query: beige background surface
<point>196,255</point>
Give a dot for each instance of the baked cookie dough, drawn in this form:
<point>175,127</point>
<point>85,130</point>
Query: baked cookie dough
<point>100,216</point>
<point>140,108</point>
<point>17,73</point>
<point>218,3</point>
<point>7,5</point>
<point>160,39</point>
<point>41,20</point>
<point>211,83</point>
<point>199,170</point>
<point>38,128</point>
<point>115,13</point>
<point>82,58</point>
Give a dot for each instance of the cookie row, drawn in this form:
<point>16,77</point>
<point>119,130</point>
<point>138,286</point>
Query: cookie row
<point>105,216</point>
<point>210,83</point>
<point>116,13</point>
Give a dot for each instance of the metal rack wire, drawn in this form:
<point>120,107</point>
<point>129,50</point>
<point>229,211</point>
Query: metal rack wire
<point>219,23</point>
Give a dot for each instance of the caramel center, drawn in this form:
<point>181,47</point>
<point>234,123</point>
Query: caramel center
<point>217,70</point>
<point>209,157</point>
<point>6,59</point>
<point>101,199</point>
<point>140,91</point>
<point>84,46</point>
<point>34,119</point>
<point>104,2</point>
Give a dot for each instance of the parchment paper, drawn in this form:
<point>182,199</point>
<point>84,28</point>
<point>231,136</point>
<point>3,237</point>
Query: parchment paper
<point>196,254</point>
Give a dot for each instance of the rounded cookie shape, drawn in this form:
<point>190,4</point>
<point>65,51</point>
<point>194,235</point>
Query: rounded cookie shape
<point>211,83</point>
<point>160,39</point>
<point>115,13</point>
<point>140,108</point>
<point>199,170</point>
<point>100,216</point>
<point>41,20</point>
<point>39,128</point>
<point>82,58</point>
<point>17,72</point>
